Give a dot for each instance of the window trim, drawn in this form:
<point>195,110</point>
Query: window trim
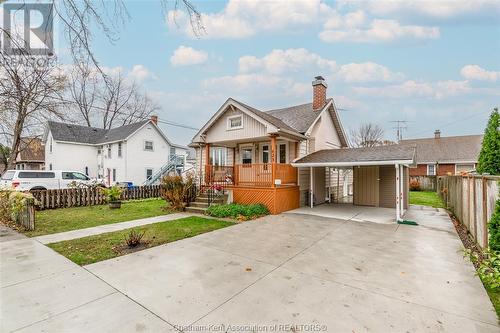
<point>223,153</point>
<point>434,165</point>
<point>229,127</point>
<point>152,145</point>
<point>457,164</point>
<point>287,158</point>
<point>152,172</point>
<point>245,146</point>
<point>120,148</point>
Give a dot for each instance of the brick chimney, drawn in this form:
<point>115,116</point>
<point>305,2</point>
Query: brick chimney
<point>437,134</point>
<point>154,119</point>
<point>319,92</point>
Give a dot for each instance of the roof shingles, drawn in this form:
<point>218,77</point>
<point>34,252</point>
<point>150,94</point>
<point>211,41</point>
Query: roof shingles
<point>91,135</point>
<point>450,149</point>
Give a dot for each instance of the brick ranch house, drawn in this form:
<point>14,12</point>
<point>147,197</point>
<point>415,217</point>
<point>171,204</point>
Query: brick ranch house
<point>441,156</point>
<point>286,158</point>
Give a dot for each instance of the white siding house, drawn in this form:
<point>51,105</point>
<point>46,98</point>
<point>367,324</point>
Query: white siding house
<point>130,153</point>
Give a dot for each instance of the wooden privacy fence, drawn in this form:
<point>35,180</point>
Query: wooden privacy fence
<point>427,183</point>
<point>74,197</point>
<point>472,199</point>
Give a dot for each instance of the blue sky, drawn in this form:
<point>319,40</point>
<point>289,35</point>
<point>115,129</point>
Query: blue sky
<point>435,64</point>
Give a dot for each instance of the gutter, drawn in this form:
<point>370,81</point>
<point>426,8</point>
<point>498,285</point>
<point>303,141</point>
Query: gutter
<point>350,164</point>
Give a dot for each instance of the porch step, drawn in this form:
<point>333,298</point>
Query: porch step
<point>205,200</point>
<point>196,210</point>
<point>200,204</point>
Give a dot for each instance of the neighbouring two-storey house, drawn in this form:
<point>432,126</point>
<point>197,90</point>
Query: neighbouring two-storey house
<point>139,152</point>
<point>294,156</point>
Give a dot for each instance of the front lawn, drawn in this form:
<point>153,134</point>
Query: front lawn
<point>426,199</point>
<point>87,250</point>
<point>64,219</point>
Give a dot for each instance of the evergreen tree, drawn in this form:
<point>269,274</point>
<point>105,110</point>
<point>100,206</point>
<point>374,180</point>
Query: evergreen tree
<point>489,157</point>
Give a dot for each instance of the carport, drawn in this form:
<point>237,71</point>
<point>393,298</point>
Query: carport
<point>380,174</point>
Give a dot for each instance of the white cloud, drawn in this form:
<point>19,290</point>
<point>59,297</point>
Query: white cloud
<point>185,56</point>
<point>378,30</point>
<point>140,73</point>
<point>283,61</point>
<point>366,72</point>
<point>240,19</point>
<point>411,88</point>
<point>475,72</point>
<point>441,9</point>
<point>286,62</point>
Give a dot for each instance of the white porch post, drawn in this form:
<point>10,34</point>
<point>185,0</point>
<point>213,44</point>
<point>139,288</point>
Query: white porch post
<point>397,193</point>
<point>402,190</point>
<point>311,187</point>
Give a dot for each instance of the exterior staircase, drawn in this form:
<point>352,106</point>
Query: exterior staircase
<point>175,163</point>
<point>201,203</point>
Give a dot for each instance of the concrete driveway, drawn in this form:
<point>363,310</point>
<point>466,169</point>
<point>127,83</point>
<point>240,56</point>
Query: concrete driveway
<point>329,274</point>
<point>324,274</point>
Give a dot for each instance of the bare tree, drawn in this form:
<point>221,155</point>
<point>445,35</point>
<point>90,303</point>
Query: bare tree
<point>80,19</point>
<point>29,95</point>
<point>106,104</point>
<point>367,135</point>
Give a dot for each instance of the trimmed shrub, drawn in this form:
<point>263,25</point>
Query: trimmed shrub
<point>238,211</point>
<point>12,203</point>
<point>494,229</point>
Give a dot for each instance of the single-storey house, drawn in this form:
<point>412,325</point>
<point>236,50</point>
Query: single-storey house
<point>440,156</point>
<point>290,157</point>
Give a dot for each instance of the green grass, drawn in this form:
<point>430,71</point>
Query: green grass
<point>426,199</point>
<point>87,250</point>
<point>495,299</point>
<point>65,219</point>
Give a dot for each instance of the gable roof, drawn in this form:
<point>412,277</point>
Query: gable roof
<point>379,155</point>
<point>294,120</point>
<point>91,135</point>
<point>302,117</point>
<point>452,149</point>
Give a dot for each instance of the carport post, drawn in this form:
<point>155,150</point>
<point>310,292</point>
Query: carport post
<point>311,187</point>
<point>397,193</point>
<point>401,190</point>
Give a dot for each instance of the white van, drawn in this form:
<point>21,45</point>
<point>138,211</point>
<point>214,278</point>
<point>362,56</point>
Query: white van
<point>27,180</point>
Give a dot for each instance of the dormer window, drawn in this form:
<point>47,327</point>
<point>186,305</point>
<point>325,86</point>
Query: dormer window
<point>235,122</point>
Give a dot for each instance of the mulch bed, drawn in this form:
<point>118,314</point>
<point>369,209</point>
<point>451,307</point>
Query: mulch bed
<point>468,241</point>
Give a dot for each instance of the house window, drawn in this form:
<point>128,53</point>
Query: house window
<point>235,122</point>
<point>282,153</point>
<point>50,166</point>
<point>149,174</point>
<point>109,151</point>
<point>431,169</point>
<point>50,146</point>
<point>246,155</point>
<point>148,145</point>
<point>172,151</point>
<point>86,170</point>
<point>119,149</point>
<point>464,168</point>
<point>218,156</point>
<point>99,150</point>
<point>265,153</point>
<point>114,175</point>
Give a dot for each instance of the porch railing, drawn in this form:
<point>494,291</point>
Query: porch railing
<point>256,174</point>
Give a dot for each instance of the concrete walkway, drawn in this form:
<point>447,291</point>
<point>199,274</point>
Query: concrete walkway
<point>101,229</point>
<point>41,291</point>
<point>292,269</point>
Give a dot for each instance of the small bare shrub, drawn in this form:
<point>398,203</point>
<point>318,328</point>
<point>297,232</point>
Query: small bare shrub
<point>134,238</point>
<point>175,190</point>
<point>414,185</point>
